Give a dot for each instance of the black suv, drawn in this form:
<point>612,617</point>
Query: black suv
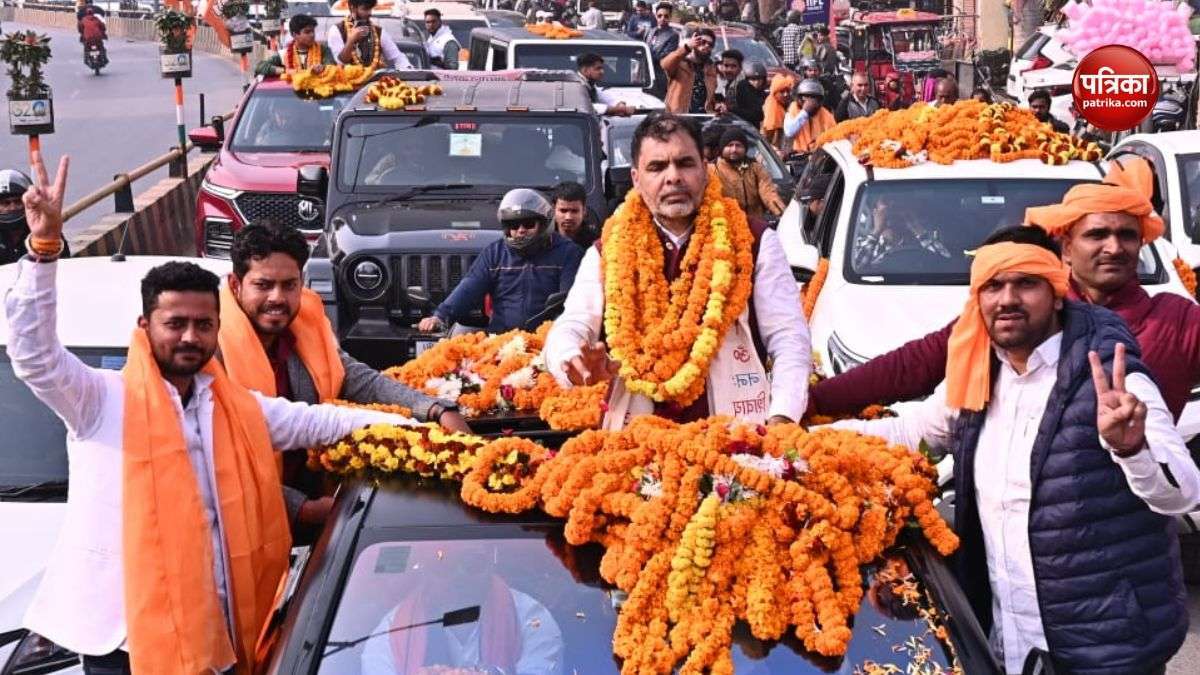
<point>411,194</point>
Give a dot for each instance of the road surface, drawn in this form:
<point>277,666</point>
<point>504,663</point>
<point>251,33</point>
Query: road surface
<point>117,120</point>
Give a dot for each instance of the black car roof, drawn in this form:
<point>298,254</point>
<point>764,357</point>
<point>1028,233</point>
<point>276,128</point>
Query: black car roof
<point>512,90</point>
<point>407,502</point>
<point>510,33</point>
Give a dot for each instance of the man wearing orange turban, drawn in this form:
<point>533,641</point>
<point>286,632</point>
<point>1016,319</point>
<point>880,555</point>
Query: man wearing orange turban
<point>1058,435</point>
<point>1102,228</point>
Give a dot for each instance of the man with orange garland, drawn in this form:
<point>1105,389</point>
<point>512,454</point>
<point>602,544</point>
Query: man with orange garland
<point>684,303</point>
<point>1065,475</point>
<point>303,52</point>
<point>356,41</point>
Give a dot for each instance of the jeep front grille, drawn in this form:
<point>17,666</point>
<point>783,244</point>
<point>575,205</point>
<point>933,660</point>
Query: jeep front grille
<point>437,273</point>
<point>280,208</point>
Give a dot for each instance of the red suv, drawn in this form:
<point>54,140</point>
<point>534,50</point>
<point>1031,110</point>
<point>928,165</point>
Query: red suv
<point>273,133</point>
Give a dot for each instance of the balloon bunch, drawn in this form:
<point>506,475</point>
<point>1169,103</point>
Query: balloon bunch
<point>1156,28</point>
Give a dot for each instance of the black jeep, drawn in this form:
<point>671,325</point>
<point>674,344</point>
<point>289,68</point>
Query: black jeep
<point>411,194</point>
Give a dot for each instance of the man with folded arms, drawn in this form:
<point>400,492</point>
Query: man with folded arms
<point>175,539</point>
<point>1067,466</point>
<point>275,339</point>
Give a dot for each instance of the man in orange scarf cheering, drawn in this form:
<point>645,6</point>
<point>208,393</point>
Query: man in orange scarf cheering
<point>174,540</point>
<point>275,339</point>
<point>1067,465</point>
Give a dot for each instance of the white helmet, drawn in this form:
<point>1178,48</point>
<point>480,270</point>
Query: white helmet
<point>810,88</point>
<point>523,204</point>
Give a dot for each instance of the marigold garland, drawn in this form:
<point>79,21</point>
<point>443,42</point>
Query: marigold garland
<point>376,44</point>
<point>1187,275</point>
<point>553,31</point>
<point>968,129</point>
<point>812,289</point>
<point>665,336</point>
<point>330,81</point>
<point>292,61</point>
<point>391,93</point>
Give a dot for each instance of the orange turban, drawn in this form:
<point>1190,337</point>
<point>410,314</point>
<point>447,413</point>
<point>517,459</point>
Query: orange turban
<point>773,110</point>
<point>1126,189</point>
<point>968,360</point>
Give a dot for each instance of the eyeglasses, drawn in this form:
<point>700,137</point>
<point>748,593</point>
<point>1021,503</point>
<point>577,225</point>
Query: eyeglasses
<point>522,225</point>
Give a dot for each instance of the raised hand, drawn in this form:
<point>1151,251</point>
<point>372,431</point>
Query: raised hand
<point>592,366</point>
<point>44,201</point>
<point>1120,416</point>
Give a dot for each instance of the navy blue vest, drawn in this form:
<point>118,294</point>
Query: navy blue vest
<point>1109,582</point>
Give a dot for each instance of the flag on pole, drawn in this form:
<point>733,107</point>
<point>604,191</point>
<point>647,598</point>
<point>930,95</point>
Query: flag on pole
<point>210,11</point>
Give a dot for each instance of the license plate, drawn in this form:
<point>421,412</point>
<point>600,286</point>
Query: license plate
<point>421,346</point>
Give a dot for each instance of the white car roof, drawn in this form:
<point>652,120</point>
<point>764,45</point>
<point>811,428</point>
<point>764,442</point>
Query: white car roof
<point>970,168</point>
<point>449,10</point>
<point>1169,143</point>
<point>99,300</point>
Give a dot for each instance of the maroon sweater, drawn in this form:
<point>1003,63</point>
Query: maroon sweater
<point>1166,326</point>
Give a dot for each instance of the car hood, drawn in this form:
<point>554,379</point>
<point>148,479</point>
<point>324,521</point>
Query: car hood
<point>262,171</point>
<point>29,531</point>
<point>870,320</point>
<point>441,212</point>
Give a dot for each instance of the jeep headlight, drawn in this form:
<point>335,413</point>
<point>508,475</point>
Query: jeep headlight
<point>368,275</point>
<point>841,358</point>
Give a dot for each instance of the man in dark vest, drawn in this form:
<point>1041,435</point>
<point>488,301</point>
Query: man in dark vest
<point>1067,466</point>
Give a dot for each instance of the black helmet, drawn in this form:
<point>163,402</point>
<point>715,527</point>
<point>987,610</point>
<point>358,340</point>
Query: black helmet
<point>13,185</point>
<point>523,204</point>
<point>754,69</point>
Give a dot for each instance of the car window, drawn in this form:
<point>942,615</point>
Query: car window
<point>461,28</point>
<point>277,120</point>
<point>754,50</point>
<point>895,240</point>
<point>1189,178</point>
<point>384,153</point>
<point>499,58</point>
<point>625,65</point>
<point>827,223</point>
<point>35,450</point>
<point>1029,50</point>
<point>535,606</point>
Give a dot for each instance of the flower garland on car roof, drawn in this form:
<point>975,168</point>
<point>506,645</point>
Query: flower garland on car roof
<point>665,335</point>
<point>966,130</point>
<point>392,93</point>
<point>553,31</point>
<point>704,524</point>
<point>330,81</point>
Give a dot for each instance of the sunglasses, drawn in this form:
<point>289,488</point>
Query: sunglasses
<point>521,225</point>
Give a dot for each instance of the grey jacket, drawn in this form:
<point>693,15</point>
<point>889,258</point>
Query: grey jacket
<point>362,384</point>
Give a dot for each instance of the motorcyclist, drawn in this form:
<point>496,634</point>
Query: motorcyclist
<point>519,272</point>
<point>92,29</point>
<point>13,229</point>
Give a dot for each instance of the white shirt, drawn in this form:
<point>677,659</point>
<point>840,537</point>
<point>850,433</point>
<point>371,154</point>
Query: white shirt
<point>390,53</point>
<point>90,403</point>
<point>781,324</point>
<point>792,124</point>
<point>592,18</point>
<point>1003,484</point>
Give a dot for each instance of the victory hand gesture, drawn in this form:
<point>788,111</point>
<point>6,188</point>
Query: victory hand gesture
<point>44,201</point>
<point>1120,416</point>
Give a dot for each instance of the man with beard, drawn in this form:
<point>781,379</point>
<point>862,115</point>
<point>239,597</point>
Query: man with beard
<point>175,538</point>
<point>691,75</point>
<point>441,45</point>
<point>684,302</point>
<point>355,40</point>
<point>1039,103</point>
<point>745,179</point>
<point>1067,468</point>
<point>519,272</point>
<point>275,339</point>
<point>1102,227</point>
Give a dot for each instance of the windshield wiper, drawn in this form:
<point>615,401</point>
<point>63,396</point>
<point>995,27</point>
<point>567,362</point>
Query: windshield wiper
<point>416,190</point>
<point>454,617</point>
<point>48,488</point>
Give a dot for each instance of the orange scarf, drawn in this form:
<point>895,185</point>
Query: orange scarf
<point>1126,189</point>
<point>773,110</point>
<point>806,138</point>
<point>246,360</point>
<point>968,359</point>
<point>176,623</point>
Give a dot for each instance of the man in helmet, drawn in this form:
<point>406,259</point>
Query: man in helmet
<point>832,83</point>
<point>13,228</point>
<point>750,93</point>
<point>808,118</point>
<point>518,272</point>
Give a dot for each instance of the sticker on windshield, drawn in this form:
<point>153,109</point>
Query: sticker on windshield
<point>466,145</point>
<point>992,199</point>
<point>112,362</point>
<point>392,560</point>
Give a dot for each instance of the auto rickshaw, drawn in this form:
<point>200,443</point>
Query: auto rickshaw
<point>904,40</point>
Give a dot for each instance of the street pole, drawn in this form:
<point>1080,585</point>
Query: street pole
<point>179,114</point>
<point>35,145</point>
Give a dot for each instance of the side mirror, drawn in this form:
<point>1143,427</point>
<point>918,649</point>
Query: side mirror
<point>1038,662</point>
<point>312,181</point>
<point>618,180</point>
<point>804,261</point>
<point>218,124</point>
<point>205,138</point>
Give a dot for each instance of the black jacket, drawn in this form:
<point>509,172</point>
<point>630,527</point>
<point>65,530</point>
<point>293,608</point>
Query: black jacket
<point>747,103</point>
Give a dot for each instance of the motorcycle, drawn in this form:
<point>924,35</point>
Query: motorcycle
<point>95,56</point>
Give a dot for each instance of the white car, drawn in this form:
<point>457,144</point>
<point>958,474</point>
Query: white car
<point>1041,51</point>
<point>870,304</point>
<point>98,306</point>
<point>1176,159</point>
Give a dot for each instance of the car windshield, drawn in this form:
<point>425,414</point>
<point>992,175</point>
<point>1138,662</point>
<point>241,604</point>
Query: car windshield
<point>536,606</point>
<point>1189,174</point>
<point>309,8</point>
<point>625,64</point>
<point>461,28</point>
<point>896,241</point>
<point>753,50</point>
<point>620,141</point>
<point>277,120</point>
<point>384,153</point>
<point>34,450</point>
